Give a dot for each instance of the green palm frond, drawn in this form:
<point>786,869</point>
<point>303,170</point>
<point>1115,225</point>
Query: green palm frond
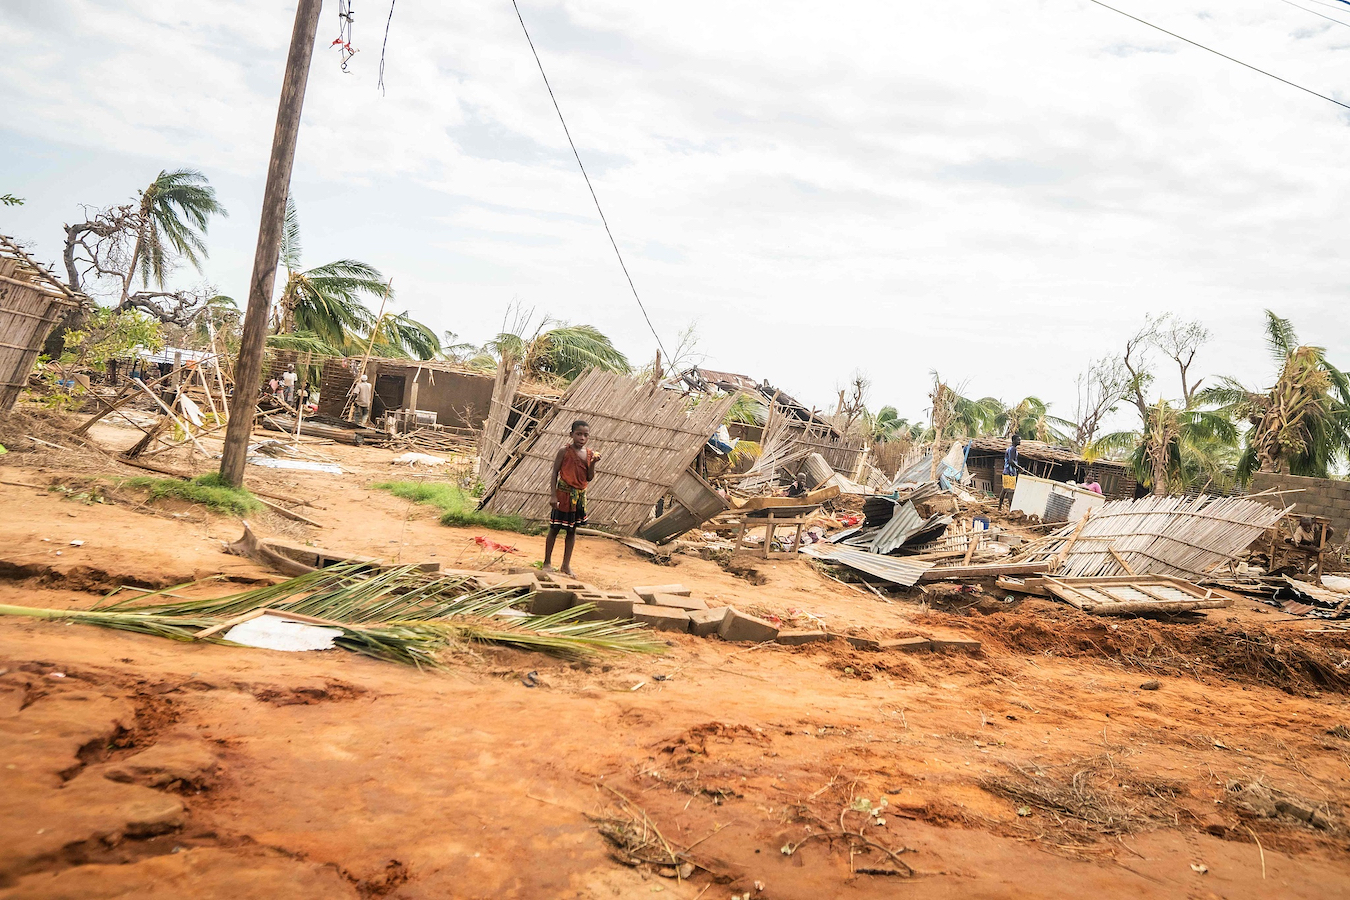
<point>177,207</point>
<point>1281,339</point>
<point>746,410</point>
<point>402,336</point>
<point>289,256</point>
<point>302,342</point>
<point>569,350</point>
<point>398,614</point>
<point>1113,446</point>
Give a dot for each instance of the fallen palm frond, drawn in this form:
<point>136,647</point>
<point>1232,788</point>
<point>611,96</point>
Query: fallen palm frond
<point>401,614</point>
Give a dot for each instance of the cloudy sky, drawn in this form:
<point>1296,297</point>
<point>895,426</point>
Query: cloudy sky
<point>998,191</point>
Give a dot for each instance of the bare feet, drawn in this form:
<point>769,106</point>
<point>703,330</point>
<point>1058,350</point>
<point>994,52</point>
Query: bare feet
<point>546,567</point>
<point>567,570</point>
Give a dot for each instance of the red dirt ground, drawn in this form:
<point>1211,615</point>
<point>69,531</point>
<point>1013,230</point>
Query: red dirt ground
<point>1035,768</point>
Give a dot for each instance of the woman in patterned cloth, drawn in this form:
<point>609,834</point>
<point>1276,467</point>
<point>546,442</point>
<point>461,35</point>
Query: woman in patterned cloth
<point>573,469</point>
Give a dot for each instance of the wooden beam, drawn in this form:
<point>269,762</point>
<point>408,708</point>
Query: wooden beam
<point>992,570</point>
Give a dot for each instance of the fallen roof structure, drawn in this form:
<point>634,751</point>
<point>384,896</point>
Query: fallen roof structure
<point>648,436</point>
<point>1188,537</point>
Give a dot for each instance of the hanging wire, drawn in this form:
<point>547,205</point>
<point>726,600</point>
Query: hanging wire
<point>589,186</point>
<point>344,39</point>
<point>1225,55</point>
<point>387,23</point>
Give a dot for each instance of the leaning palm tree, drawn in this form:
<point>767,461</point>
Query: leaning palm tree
<point>324,301</point>
<point>171,221</point>
<point>1301,424</point>
<point>1176,449</point>
<point>560,353</point>
<point>398,334</point>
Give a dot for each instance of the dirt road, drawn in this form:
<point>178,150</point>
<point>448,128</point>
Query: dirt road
<point>1038,767</point>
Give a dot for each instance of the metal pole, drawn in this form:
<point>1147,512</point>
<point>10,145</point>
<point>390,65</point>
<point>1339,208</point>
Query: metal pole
<point>248,368</point>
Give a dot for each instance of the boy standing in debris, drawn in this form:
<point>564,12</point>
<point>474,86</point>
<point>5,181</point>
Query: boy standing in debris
<point>573,470</point>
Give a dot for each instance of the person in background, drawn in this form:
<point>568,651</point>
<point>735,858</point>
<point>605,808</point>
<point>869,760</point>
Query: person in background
<point>363,391</point>
<point>1094,487</point>
<point>288,379</point>
<point>1009,472</point>
<point>573,470</point>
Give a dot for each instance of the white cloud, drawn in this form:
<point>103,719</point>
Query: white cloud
<point>999,193</point>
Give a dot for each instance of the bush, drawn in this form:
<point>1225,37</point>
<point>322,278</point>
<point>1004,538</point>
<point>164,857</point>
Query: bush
<point>204,490</point>
<point>457,507</point>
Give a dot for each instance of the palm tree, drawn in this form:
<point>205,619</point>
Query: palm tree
<point>320,310</point>
<point>173,216</point>
<point>1177,449</point>
<point>1030,418</point>
<point>888,426</point>
<point>324,301</point>
<point>1301,425</point>
<point>560,353</point>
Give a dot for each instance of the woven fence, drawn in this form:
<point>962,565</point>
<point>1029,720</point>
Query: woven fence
<point>647,437</point>
<point>28,308</point>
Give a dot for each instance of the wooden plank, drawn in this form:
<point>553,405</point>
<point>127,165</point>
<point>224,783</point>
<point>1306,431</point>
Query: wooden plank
<point>990,570</point>
<point>1120,559</point>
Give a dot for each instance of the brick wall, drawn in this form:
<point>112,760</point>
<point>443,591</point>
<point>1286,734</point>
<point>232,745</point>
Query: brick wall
<point>1324,497</point>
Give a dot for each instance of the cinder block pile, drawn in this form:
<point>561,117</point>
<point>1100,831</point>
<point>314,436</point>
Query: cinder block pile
<point>672,607</point>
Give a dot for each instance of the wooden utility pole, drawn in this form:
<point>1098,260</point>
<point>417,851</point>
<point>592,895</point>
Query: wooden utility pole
<point>248,368</point>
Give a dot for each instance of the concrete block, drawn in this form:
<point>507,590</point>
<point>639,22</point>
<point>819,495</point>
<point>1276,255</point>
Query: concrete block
<point>705,622</point>
<point>963,644</point>
<point>661,618</point>
<point>521,570</point>
<point>650,591</point>
<point>738,626</point>
<point>907,645</point>
<point>548,601</point>
<point>609,608</point>
<point>796,638</point>
<point>524,580</point>
<point>675,601</point>
<point>861,643</point>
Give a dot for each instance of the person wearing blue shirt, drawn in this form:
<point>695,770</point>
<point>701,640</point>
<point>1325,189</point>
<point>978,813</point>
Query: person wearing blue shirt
<point>1010,468</point>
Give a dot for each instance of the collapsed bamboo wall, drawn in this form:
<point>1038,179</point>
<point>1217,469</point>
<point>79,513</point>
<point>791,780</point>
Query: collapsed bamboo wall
<point>788,440</point>
<point>27,312</point>
<point>648,437</point>
<point>1188,537</point>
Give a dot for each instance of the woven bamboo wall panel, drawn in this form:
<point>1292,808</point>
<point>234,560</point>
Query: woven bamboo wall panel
<point>26,315</point>
<point>1187,537</point>
<point>647,436</point>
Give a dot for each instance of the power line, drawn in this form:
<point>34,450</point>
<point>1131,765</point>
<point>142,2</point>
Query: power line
<point>1316,13</point>
<point>1217,53</point>
<point>589,186</point>
<point>1327,5</point>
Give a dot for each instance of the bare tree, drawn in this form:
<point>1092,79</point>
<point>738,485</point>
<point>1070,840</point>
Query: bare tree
<point>1100,390</point>
<point>1179,340</point>
<point>853,403</point>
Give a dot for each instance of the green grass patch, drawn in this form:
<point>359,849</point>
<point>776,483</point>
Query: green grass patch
<point>457,506</point>
<point>204,490</point>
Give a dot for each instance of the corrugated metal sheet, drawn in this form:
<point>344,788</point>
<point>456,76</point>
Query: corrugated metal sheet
<point>905,521</point>
<point>1321,602</point>
<point>896,571</point>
